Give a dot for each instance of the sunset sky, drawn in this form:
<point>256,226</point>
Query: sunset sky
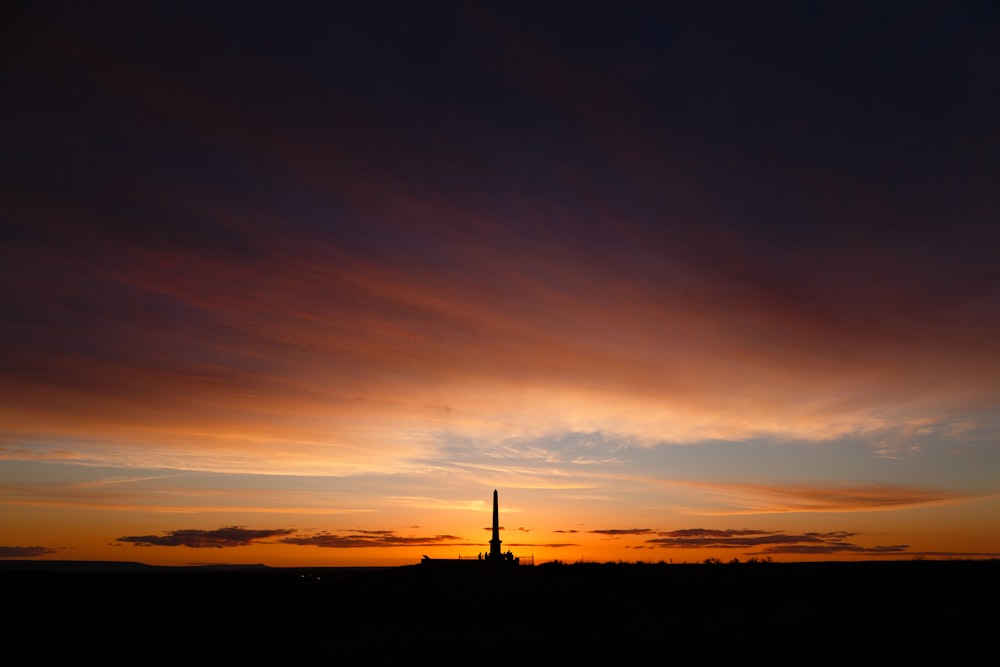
<point>303,283</point>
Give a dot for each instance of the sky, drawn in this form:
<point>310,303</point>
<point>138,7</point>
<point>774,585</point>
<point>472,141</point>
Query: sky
<point>301,283</point>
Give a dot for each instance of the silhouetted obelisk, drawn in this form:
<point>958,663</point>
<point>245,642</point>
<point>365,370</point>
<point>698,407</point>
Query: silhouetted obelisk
<point>495,542</point>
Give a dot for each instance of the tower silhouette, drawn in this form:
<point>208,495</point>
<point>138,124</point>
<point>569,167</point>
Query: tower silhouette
<point>494,557</point>
<point>495,553</point>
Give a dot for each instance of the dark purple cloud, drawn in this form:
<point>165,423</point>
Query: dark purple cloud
<point>25,552</point>
<point>372,538</point>
<point>768,542</point>
<point>232,536</point>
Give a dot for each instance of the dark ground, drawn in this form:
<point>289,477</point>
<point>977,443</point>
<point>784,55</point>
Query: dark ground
<point>937,610</point>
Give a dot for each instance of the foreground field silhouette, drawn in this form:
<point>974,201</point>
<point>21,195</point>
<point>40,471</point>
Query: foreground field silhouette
<point>569,608</point>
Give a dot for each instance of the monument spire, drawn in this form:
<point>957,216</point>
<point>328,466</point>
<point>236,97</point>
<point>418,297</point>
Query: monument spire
<point>495,542</point>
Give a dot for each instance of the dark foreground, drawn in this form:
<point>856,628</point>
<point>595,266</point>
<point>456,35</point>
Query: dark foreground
<point>570,611</point>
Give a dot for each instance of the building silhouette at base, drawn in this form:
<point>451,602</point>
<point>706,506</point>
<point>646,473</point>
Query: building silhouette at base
<point>494,557</point>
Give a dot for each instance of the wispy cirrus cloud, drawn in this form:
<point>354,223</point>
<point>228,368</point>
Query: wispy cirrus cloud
<point>312,353</point>
<point>741,498</point>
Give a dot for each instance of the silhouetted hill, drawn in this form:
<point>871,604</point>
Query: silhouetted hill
<point>111,566</point>
<point>569,608</point>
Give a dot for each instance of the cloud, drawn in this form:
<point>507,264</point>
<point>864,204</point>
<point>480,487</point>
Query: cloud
<point>235,536</point>
<point>25,552</point>
<point>771,542</point>
<point>371,538</point>
<point>623,531</point>
<point>777,498</point>
<point>504,528</point>
<point>767,542</point>
<point>26,454</point>
<point>232,536</point>
<point>317,355</point>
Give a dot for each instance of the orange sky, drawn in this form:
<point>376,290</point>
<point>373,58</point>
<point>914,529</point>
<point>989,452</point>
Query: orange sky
<point>307,291</point>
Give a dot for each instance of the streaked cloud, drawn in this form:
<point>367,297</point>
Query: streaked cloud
<point>381,539</point>
<point>230,536</point>
<point>769,542</point>
<point>738,498</point>
<point>615,532</point>
<point>25,552</point>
